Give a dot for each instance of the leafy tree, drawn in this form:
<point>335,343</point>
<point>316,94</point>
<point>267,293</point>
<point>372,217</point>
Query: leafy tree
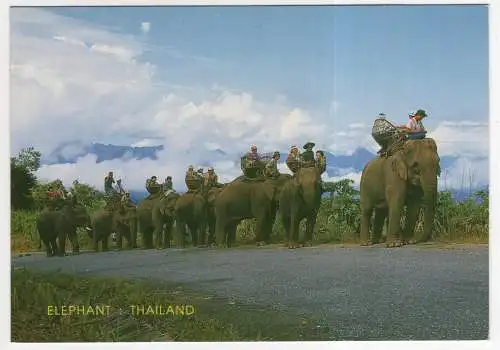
<point>86,194</point>
<point>22,177</point>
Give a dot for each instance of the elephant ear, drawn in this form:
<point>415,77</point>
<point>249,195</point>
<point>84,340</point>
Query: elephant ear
<point>399,166</point>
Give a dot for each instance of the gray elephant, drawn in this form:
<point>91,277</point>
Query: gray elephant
<point>408,177</point>
<point>55,225</point>
<point>300,199</point>
<point>161,220</point>
<point>245,198</point>
<point>105,221</point>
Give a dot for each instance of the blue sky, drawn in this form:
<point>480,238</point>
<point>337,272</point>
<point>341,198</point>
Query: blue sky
<point>368,58</point>
<point>226,77</point>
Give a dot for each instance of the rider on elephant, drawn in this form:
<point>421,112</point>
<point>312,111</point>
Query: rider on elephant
<point>272,166</point>
<point>168,185</point>
<point>294,159</point>
<point>193,179</point>
<point>414,128</point>
<point>56,196</point>
<point>210,179</point>
<point>321,161</point>
<point>308,154</point>
<point>119,187</point>
<point>253,155</point>
<point>152,187</point>
<point>108,184</point>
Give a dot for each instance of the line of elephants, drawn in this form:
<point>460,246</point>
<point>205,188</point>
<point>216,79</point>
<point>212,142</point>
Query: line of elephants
<point>406,178</point>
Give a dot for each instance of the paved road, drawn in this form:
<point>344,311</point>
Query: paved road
<point>357,293</point>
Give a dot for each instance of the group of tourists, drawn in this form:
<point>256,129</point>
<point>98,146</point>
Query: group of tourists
<point>384,132</point>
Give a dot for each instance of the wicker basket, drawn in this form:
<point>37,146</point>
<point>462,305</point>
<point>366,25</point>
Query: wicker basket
<point>383,130</point>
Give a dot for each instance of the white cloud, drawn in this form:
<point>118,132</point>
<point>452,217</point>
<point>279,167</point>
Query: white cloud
<point>92,84</point>
<point>145,27</point>
<point>147,143</point>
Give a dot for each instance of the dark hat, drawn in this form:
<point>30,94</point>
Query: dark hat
<point>421,112</point>
<point>276,153</point>
<point>309,145</point>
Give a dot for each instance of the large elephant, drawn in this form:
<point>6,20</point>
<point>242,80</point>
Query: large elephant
<point>55,225</point>
<point>300,199</point>
<point>191,211</point>
<point>246,199</point>
<point>105,221</point>
<point>162,219</point>
<point>408,177</point>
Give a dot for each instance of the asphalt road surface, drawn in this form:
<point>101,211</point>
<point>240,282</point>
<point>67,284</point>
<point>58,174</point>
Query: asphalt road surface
<point>358,293</point>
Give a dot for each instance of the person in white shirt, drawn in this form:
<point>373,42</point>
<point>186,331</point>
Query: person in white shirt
<point>415,128</point>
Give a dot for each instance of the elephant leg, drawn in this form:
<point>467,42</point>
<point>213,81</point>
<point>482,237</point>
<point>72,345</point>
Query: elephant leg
<point>366,215</point>
<point>62,243</point>
<point>220,231</point>
<point>211,230</point>
<point>294,230</point>
<point>193,233</point>
<point>394,229</point>
<point>53,246</point>
<point>413,209</point>
<point>231,234</point>
<point>104,243</point>
<point>95,240</point>
<point>48,247</point>
<point>310,224</point>
<point>286,220</point>
<point>132,243</point>
<point>158,235</point>
<point>378,225</point>
<point>73,236</point>
<point>168,233</point>
<point>181,233</point>
<point>121,233</point>
<point>147,238</point>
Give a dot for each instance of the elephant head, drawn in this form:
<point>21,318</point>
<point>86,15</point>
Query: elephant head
<point>76,214</point>
<point>275,185</point>
<point>418,164</point>
<point>308,181</point>
<point>167,204</point>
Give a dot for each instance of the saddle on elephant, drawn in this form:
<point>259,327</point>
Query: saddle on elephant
<point>253,168</point>
<point>193,182</point>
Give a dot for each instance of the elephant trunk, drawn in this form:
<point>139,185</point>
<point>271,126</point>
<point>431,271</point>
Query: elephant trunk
<point>311,195</point>
<point>429,187</point>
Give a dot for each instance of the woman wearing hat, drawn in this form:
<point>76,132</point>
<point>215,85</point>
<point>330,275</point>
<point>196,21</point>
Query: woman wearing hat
<point>415,128</point>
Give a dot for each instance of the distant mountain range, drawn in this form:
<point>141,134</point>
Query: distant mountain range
<point>338,165</point>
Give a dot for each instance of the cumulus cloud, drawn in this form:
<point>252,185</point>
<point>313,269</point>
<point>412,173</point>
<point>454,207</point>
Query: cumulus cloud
<point>92,84</point>
<point>145,27</point>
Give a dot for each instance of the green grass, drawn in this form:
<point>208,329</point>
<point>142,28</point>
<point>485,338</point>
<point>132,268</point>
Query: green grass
<point>214,319</point>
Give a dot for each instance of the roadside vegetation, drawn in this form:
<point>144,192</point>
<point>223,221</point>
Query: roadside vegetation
<point>209,318</point>
<point>338,221</point>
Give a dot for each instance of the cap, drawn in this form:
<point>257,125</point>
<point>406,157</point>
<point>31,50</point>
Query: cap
<point>309,145</point>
